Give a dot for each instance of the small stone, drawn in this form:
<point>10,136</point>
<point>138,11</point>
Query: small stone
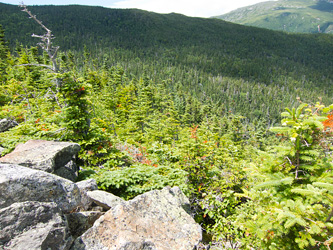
<point>104,199</point>
<point>6,124</point>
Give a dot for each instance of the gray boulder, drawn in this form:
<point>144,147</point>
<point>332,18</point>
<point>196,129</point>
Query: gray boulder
<point>6,124</point>
<point>19,184</point>
<point>154,220</point>
<point>104,199</point>
<point>86,186</point>
<point>49,156</point>
<point>33,225</point>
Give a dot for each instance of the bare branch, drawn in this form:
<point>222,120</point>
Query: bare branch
<point>22,5</point>
<point>54,95</point>
<point>289,160</point>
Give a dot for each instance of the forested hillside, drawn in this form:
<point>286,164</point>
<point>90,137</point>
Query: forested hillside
<point>302,16</point>
<point>223,64</point>
<point>168,100</point>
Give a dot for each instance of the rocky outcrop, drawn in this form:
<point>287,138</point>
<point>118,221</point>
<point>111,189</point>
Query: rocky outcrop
<point>39,210</point>
<point>33,225</point>
<point>6,124</point>
<point>155,220</point>
<point>49,156</point>
<point>20,184</point>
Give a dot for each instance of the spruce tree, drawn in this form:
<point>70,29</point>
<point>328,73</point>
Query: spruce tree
<point>290,207</point>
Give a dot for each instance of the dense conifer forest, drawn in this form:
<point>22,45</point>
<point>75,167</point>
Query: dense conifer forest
<point>239,118</point>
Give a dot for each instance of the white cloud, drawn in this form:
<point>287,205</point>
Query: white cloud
<point>200,8</point>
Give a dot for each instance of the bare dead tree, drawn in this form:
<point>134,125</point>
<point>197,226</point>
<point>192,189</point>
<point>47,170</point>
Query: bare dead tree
<point>46,45</point>
<point>46,41</point>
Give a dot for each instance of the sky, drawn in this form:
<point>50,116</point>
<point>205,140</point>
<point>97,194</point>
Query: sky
<point>195,8</point>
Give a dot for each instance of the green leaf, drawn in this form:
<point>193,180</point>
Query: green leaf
<point>326,109</point>
<point>289,111</point>
<point>279,129</point>
<point>290,222</point>
<point>274,183</point>
<point>285,114</point>
<point>306,158</point>
<point>300,109</point>
<point>310,191</point>
<point>327,186</point>
<point>317,124</point>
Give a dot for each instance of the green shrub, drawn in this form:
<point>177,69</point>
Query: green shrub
<point>131,181</point>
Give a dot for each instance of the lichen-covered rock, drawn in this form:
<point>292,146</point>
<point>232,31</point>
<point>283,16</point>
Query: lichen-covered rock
<point>1,150</point>
<point>49,156</point>
<point>6,124</point>
<point>155,220</point>
<point>104,199</point>
<point>19,184</point>
<point>86,186</point>
<point>33,225</point>
<point>81,221</point>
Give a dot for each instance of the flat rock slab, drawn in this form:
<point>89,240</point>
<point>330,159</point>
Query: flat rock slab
<point>104,199</point>
<point>20,184</point>
<point>48,156</point>
<point>157,220</point>
<point>33,225</point>
<point>87,185</point>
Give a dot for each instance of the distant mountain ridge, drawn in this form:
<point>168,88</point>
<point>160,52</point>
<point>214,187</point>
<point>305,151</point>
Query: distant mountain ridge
<point>304,16</point>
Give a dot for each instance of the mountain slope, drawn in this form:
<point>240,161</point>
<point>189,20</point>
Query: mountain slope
<point>242,69</point>
<point>76,26</point>
<point>307,16</point>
